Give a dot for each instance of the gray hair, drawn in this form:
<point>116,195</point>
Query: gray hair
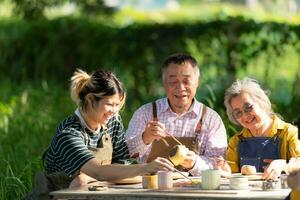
<point>253,89</point>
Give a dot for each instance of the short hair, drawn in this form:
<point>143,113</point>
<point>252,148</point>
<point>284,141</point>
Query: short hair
<point>180,58</point>
<point>253,89</point>
<point>101,84</point>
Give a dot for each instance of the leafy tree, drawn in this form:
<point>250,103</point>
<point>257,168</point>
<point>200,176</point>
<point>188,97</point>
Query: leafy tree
<point>93,7</point>
<point>34,9</point>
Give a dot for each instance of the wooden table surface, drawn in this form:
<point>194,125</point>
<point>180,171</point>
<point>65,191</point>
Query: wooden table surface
<point>135,191</point>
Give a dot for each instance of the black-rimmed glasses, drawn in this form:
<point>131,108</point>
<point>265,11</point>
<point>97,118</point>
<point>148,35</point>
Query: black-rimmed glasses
<point>247,108</point>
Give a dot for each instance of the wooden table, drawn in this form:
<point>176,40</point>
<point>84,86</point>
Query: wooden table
<point>135,191</point>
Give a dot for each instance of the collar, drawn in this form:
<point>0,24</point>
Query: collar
<point>84,124</point>
<point>194,109</point>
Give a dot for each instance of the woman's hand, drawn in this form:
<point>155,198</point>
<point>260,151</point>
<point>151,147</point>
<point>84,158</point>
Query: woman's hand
<point>159,164</point>
<point>80,180</point>
<point>223,166</point>
<point>293,166</point>
<point>274,169</point>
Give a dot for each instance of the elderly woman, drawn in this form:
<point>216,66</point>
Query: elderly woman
<point>265,141</point>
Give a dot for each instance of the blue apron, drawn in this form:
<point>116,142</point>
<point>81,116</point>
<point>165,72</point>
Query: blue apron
<point>253,150</point>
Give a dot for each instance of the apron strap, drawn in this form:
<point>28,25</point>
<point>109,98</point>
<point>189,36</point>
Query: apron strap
<point>276,135</point>
<point>274,138</point>
<point>198,131</point>
<point>199,125</point>
<point>241,137</point>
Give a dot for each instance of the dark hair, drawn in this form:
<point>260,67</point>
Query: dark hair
<point>180,58</point>
<point>101,83</point>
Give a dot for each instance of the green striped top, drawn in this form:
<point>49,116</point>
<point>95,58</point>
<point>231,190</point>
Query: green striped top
<point>68,151</point>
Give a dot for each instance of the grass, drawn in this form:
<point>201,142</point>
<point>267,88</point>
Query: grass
<point>29,115</point>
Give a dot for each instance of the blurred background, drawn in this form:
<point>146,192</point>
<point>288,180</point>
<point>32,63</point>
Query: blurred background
<point>42,42</point>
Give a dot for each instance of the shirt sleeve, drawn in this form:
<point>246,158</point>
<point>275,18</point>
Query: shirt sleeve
<point>215,143</point>
<point>294,195</point>
<point>293,141</point>
<point>232,154</point>
<point>135,130</point>
<point>71,150</point>
<point>120,149</point>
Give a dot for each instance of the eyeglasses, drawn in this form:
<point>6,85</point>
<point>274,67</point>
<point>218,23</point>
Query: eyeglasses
<point>247,108</point>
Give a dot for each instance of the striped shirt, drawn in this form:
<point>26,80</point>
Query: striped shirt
<point>212,139</point>
<point>68,151</point>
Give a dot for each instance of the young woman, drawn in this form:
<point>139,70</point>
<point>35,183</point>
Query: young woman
<point>87,142</point>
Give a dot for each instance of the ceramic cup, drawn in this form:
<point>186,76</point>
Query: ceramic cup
<point>178,154</point>
<point>164,180</point>
<point>149,182</point>
<point>271,185</point>
<point>238,183</point>
<point>210,179</point>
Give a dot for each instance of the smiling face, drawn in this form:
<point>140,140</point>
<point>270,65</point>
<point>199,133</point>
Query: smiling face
<point>180,82</point>
<point>100,112</point>
<point>248,113</point>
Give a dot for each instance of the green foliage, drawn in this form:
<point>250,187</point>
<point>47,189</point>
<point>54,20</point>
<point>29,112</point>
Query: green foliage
<point>34,112</point>
<point>38,57</point>
<point>53,49</point>
<point>93,7</point>
<point>35,9</point>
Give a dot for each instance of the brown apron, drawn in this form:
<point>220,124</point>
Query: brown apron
<point>160,149</point>
<point>45,183</point>
<point>102,155</point>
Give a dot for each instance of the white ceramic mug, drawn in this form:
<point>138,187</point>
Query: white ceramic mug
<point>164,180</point>
<point>211,179</point>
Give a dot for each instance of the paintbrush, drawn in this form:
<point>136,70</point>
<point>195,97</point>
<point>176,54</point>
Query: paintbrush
<point>165,141</point>
<point>182,174</point>
<point>174,138</point>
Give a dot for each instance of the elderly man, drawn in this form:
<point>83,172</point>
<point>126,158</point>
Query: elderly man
<point>152,129</point>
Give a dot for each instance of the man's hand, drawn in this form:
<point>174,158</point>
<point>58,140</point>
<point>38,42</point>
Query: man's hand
<point>223,166</point>
<point>155,130</point>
